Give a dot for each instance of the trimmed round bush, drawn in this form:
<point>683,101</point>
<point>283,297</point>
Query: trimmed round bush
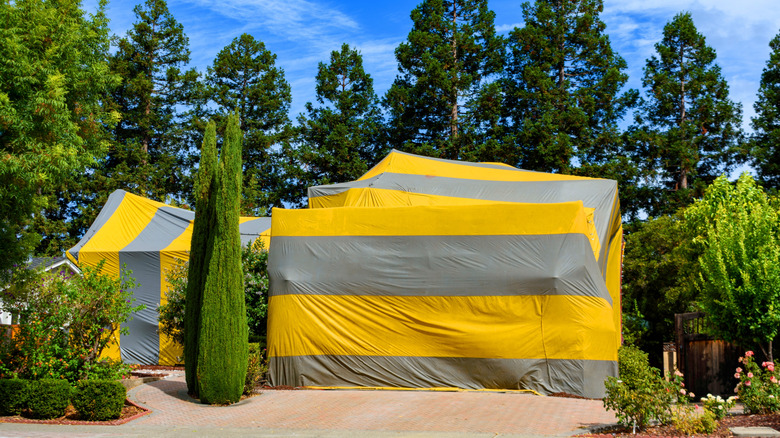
<point>99,400</point>
<point>13,396</point>
<point>48,398</point>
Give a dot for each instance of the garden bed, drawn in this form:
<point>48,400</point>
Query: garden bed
<point>130,412</point>
<point>769,420</point>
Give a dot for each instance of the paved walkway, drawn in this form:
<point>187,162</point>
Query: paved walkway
<point>343,413</point>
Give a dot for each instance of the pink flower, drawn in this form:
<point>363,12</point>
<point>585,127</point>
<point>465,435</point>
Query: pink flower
<point>678,373</point>
<point>690,394</point>
<point>771,366</point>
<point>737,375</point>
<point>773,379</point>
<point>739,370</point>
<point>747,383</point>
<point>748,353</point>
<point>740,359</point>
<point>682,391</point>
<point>750,375</point>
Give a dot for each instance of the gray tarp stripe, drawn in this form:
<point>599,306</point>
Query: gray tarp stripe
<point>250,230</point>
<point>594,193</point>
<point>142,256</point>
<point>108,210</point>
<point>579,377</point>
<point>553,264</point>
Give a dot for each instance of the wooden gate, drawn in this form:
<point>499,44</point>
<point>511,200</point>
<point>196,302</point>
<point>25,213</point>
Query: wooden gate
<point>708,364</point>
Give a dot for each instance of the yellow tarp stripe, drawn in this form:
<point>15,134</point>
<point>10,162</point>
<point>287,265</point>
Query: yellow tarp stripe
<point>500,327</point>
<point>397,162</point>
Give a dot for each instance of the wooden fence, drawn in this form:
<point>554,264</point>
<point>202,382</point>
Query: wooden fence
<point>708,364</point>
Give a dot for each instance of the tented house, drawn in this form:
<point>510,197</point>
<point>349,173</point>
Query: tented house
<point>430,273</point>
<point>148,238</point>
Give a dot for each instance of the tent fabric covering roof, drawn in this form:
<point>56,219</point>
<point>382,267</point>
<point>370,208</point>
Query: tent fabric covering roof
<point>149,238</point>
<point>427,273</point>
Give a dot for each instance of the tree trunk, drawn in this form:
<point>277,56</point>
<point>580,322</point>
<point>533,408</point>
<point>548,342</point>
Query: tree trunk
<point>454,44</point>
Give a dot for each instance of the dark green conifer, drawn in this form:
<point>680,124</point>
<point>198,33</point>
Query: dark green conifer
<point>766,123</point>
<point>200,252</point>
<point>223,334</point>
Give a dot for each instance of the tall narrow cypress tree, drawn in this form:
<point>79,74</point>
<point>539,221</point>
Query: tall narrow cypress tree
<point>200,253</point>
<point>765,146</point>
<point>222,339</point>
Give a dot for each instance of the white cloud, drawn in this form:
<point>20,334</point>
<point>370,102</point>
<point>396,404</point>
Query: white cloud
<point>501,28</point>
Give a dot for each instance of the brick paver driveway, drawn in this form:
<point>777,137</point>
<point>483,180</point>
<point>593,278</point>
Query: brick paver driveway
<point>344,413</point>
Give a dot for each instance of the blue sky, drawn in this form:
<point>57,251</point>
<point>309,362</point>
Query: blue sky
<point>302,33</point>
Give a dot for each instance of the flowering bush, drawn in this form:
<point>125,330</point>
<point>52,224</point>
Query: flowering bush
<point>758,388</point>
<point>641,395</point>
<point>717,405</point>
<point>65,323</point>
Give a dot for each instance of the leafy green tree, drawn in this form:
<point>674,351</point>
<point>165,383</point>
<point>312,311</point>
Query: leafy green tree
<point>149,151</point>
<point>563,82</point>
<point>451,52</point>
<point>53,122</point>
<point>201,252</point>
<point>222,338</point>
<point>766,123</point>
<point>740,266</point>
<point>660,272</point>
<point>340,139</point>
<point>245,78</point>
<point>689,127</point>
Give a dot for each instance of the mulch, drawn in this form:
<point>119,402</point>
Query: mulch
<point>770,420</point>
<point>130,412</point>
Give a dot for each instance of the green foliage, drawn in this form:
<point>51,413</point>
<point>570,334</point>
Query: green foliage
<point>171,314</point>
<point>640,394</point>
<point>99,400</point>
<point>562,85</point>
<point>759,387</point>
<point>718,406</point>
<point>13,396</point>
<point>693,420</point>
<point>245,78</point>
<point>451,51</point>
<point>765,143</point>
<point>222,350</point>
<point>340,139</point>
<point>688,128</point>
<point>254,262</point>
<point>256,369</point>
<point>148,155</point>
<point>65,322</point>
<point>53,121</point>
<point>740,266</point>
<point>660,272</point>
<point>201,248</point>
<point>49,398</point>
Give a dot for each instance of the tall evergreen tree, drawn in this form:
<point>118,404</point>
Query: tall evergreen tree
<point>341,138</point>
<point>53,122</point>
<point>200,253</point>
<point>245,78</point>
<point>689,128</point>
<point>223,334</point>
<point>562,87</point>
<point>766,123</point>
<point>451,52</point>
<point>148,155</point>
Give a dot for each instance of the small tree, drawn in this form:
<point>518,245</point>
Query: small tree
<point>741,261</point>
<point>65,323</point>
<point>200,253</point>
<point>222,337</point>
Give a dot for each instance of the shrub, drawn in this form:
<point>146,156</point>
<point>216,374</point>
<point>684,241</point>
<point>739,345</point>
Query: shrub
<point>759,387</point>
<point>692,420</point>
<point>256,368</point>
<point>717,405</point>
<point>49,398</point>
<point>13,396</point>
<point>98,400</point>
<point>640,395</point>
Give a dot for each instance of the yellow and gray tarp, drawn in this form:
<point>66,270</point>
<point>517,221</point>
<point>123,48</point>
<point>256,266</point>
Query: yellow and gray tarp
<point>148,238</point>
<point>434,273</point>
